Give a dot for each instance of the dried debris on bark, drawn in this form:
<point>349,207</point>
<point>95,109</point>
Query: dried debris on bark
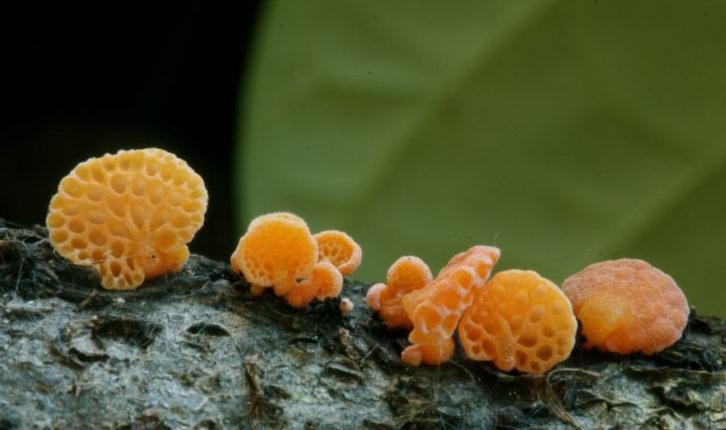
<point>195,350</point>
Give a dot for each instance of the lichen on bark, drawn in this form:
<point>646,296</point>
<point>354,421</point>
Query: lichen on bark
<point>196,350</point>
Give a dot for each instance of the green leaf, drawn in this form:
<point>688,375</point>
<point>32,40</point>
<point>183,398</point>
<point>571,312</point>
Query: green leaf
<point>562,132</point>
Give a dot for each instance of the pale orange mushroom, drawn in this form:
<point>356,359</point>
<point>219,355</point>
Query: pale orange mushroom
<point>276,251</point>
<point>405,275</point>
<point>481,258</point>
<point>519,320</point>
<point>627,305</point>
<point>435,310</point>
<point>325,282</point>
<point>339,249</point>
<point>373,296</point>
<point>130,215</point>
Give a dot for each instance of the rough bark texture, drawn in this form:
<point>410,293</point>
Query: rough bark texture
<point>195,350</point>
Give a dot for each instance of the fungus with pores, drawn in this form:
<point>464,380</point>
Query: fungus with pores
<point>339,249</point>
<point>276,251</point>
<point>519,320</point>
<point>279,251</point>
<point>627,305</point>
<point>405,275</point>
<point>435,310</point>
<point>130,215</point>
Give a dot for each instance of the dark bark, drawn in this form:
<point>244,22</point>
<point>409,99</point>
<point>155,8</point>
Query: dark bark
<point>195,350</point>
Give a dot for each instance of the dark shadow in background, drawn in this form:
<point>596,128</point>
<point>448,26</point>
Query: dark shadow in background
<point>80,83</point>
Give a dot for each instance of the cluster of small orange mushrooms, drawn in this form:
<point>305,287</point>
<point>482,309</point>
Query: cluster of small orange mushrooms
<point>131,215</point>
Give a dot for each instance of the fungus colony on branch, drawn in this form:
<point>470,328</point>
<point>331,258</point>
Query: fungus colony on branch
<point>130,215</point>
<point>520,320</point>
<point>516,320</point>
<point>279,252</point>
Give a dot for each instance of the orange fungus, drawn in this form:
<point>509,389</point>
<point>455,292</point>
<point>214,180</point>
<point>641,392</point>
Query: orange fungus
<point>279,251</point>
<point>435,310</point>
<point>627,305</point>
<point>405,275</point>
<point>519,320</point>
<point>276,251</point>
<point>325,282</point>
<point>339,249</point>
<point>130,215</point>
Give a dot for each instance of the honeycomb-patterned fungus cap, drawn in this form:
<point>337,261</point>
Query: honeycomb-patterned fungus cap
<point>627,305</point>
<point>481,258</point>
<point>276,251</point>
<point>436,309</point>
<point>339,249</point>
<point>519,320</point>
<point>405,275</point>
<point>130,215</point>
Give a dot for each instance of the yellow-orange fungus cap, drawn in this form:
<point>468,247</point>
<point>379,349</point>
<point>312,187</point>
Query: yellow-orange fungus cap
<point>303,294</point>
<point>405,275</point>
<point>481,258</point>
<point>373,297</point>
<point>276,251</point>
<point>519,320</point>
<point>429,353</point>
<point>627,305</point>
<point>328,279</point>
<point>436,309</point>
<point>130,215</point>
<point>324,283</point>
<point>339,249</point>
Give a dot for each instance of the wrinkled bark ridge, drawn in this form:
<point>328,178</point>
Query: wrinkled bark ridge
<point>195,350</point>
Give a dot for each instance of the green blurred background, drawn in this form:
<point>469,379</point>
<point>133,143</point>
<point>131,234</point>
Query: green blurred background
<point>564,132</point>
